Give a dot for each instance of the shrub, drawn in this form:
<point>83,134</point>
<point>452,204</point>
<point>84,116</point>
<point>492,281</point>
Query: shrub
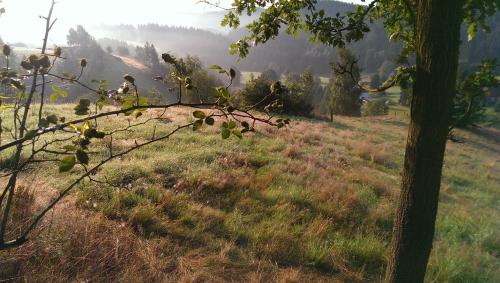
<point>255,90</point>
<point>295,96</point>
<point>377,107</point>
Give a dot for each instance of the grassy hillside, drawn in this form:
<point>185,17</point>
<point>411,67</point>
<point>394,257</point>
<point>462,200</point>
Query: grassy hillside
<point>310,203</point>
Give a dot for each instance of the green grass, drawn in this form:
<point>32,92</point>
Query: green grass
<point>492,118</point>
<point>314,202</point>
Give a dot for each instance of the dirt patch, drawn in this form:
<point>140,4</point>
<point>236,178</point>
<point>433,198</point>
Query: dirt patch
<point>131,62</point>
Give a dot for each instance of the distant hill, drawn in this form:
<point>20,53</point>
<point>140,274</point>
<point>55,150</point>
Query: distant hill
<point>286,53</point>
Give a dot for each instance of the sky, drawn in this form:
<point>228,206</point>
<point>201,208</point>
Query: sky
<point>22,22</point>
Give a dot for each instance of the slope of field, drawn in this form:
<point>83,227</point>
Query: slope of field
<point>131,62</point>
<point>312,203</point>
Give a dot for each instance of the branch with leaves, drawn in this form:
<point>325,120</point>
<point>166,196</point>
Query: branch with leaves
<point>71,149</point>
<point>295,16</point>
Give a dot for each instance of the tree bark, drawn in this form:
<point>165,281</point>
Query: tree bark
<point>437,48</point>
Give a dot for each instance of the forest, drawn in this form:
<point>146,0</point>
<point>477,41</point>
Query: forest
<point>268,141</point>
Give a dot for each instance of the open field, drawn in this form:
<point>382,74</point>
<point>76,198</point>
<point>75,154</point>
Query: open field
<point>313,203</point>
<point>247,76</point>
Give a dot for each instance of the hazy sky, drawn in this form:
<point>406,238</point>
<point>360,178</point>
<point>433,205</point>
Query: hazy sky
<point>21,22</point>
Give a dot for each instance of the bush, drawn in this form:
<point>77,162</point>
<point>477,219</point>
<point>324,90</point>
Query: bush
<point>377,107</point>
<point>296,101</point>
<point>255,91</point>
<point>295,96</point>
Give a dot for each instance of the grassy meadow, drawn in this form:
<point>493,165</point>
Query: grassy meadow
<point>313,202</point>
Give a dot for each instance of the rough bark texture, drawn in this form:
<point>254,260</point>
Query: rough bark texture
<point>437,48</point>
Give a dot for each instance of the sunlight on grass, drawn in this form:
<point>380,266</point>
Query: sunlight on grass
<point>311,201</point>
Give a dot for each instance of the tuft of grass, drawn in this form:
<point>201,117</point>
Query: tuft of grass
<point>145,220</point>
<point>292,151</point>
<point>365,251</point>
<point>121,203</point>
<point>377,154</point>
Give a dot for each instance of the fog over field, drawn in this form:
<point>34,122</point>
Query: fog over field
<point>92,13</point>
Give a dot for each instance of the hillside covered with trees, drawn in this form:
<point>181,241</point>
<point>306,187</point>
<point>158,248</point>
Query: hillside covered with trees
<point>288,53</point>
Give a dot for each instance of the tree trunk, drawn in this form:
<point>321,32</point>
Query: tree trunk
<point>437,48</point>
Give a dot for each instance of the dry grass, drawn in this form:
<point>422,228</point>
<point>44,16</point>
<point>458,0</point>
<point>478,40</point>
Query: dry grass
<point>380,183</point>
<point>311,203</point>
<point>292,151</point>
<point>375,153</point>
<point>82,245</point>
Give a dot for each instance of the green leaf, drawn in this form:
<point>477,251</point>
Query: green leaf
<point>210,121</point>
<point>82,157</point>
<point>30,134</point>
<point>137,114</point>
<point>231,125</point>
<point>52,119</point>
<point>17,84</point>
<point>128,103</point>
<point>43,123</point>
<point>67,163</point>
<point>199,114</point>
<point>245,125</point>
<point>56,88</point>
<point>224,92</point>
<point>237,133</point>
<point>276,87</point>
<point>232,73</point>
<point>53,97</point>
<point>84,128</point>
<point>215,67</point>
<point>226,133</point>
<point>168,58</point>
<point>74,127</point>
<point>143,100</point>
<point>101,102</point>
<point>471,31</point>
<point>197,125</point>
<point>129,78</point>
